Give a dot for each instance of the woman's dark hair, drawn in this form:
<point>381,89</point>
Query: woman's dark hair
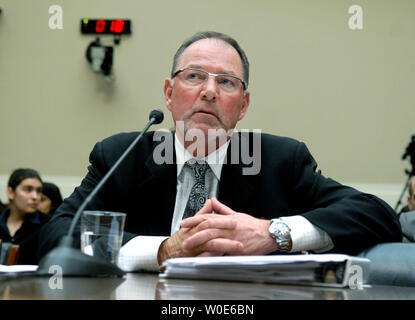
<point>213,35</point>
<point>53,193</point>
<point>19,175</point>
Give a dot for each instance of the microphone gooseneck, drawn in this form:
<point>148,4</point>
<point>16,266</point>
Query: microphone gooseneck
<point>73,261</point>
<point>156,116</point>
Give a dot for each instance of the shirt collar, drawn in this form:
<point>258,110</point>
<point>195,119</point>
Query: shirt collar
<point>214,159</point>
<point>32,217</point>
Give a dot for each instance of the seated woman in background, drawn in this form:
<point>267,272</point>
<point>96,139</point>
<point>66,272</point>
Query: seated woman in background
<point>21,222</point>
<point>50,199</point>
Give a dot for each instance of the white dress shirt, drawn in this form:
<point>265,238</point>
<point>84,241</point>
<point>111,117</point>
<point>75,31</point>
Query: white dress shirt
<point>140,253</point>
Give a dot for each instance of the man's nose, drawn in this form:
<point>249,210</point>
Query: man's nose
<point>209,91</point>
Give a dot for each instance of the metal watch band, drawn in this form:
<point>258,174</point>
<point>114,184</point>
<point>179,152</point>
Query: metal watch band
<point>280,231</point>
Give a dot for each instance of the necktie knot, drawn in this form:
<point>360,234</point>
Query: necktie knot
<point>199,170</point>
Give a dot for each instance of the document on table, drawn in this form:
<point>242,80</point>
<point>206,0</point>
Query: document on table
<point>333,270</point>
<point>17,268</point>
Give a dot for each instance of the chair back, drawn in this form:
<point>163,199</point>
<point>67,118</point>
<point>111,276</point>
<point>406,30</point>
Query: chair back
<point>9,253</point>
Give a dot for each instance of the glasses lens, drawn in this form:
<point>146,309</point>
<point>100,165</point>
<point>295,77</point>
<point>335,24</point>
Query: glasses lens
<point>227,83</point>
<point>195,77</point>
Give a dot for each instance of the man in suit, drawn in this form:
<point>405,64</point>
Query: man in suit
<point>286,206</point>
<point>407,218</point>
<point>411,194</point>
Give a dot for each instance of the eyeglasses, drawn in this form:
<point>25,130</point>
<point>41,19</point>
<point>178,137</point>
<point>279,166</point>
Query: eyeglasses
<point>195,77</point>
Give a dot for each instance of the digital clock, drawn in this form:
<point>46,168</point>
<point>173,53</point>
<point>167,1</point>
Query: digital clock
<point>105,26</point>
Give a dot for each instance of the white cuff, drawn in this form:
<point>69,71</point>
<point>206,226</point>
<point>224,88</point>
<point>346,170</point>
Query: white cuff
<point>307,237</point>
<point>140,253</point>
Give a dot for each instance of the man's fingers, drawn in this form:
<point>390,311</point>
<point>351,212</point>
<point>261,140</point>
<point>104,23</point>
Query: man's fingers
<point>207,208</point>
<point>220,247</point>
<point>209,221</point>
<point>196,219</point>
<point>211,205</point>
<point>204,236</point>
<point>220,208</point>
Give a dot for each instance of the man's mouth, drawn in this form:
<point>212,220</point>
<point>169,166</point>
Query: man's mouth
<point>206,111</point>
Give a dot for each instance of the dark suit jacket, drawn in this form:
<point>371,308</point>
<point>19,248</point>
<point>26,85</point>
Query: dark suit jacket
<point>287,184</point>
<point>27,237</point>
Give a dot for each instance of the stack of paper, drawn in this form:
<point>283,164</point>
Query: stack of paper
<point>18,268</point>
<point>335,270</point>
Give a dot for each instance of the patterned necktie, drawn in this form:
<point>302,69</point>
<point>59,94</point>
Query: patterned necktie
<point>198,194</point>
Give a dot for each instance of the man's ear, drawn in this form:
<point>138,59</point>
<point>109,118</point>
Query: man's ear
<point>168,88</point>
<point>245,105</point>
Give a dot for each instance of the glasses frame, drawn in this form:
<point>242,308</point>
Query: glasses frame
<point>211,74</point>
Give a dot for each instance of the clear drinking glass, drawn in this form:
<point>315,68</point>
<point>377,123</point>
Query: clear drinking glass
<point>102,233</point>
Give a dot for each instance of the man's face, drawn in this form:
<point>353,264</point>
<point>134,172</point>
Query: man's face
<point>411,198</point>
<point>26,196</point>
<point>207,106</point>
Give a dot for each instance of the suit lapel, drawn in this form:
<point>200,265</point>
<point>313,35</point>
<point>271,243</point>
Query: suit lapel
<point>236,190</point>
<point>161,180</point>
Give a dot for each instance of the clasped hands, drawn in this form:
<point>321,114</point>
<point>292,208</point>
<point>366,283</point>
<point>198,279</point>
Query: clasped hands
<point>226,232</point>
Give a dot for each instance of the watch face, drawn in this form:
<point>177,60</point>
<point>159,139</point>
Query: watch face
<point>280,228</point>
<point>283,228</point>
<point>281,232</point>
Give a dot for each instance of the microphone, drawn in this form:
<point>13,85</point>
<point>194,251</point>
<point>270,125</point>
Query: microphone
<point>72,261</point>
<point>157,115</point>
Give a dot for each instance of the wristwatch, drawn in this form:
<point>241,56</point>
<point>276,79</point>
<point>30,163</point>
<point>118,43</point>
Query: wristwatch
<point>282,234</point>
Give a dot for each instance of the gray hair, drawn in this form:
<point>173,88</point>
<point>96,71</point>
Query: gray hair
<point>213,35</point>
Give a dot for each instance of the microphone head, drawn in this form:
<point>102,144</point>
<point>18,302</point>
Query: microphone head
<point>157,115</point>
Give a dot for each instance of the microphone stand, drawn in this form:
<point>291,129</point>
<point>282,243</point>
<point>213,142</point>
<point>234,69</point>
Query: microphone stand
<point>71,260</point>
